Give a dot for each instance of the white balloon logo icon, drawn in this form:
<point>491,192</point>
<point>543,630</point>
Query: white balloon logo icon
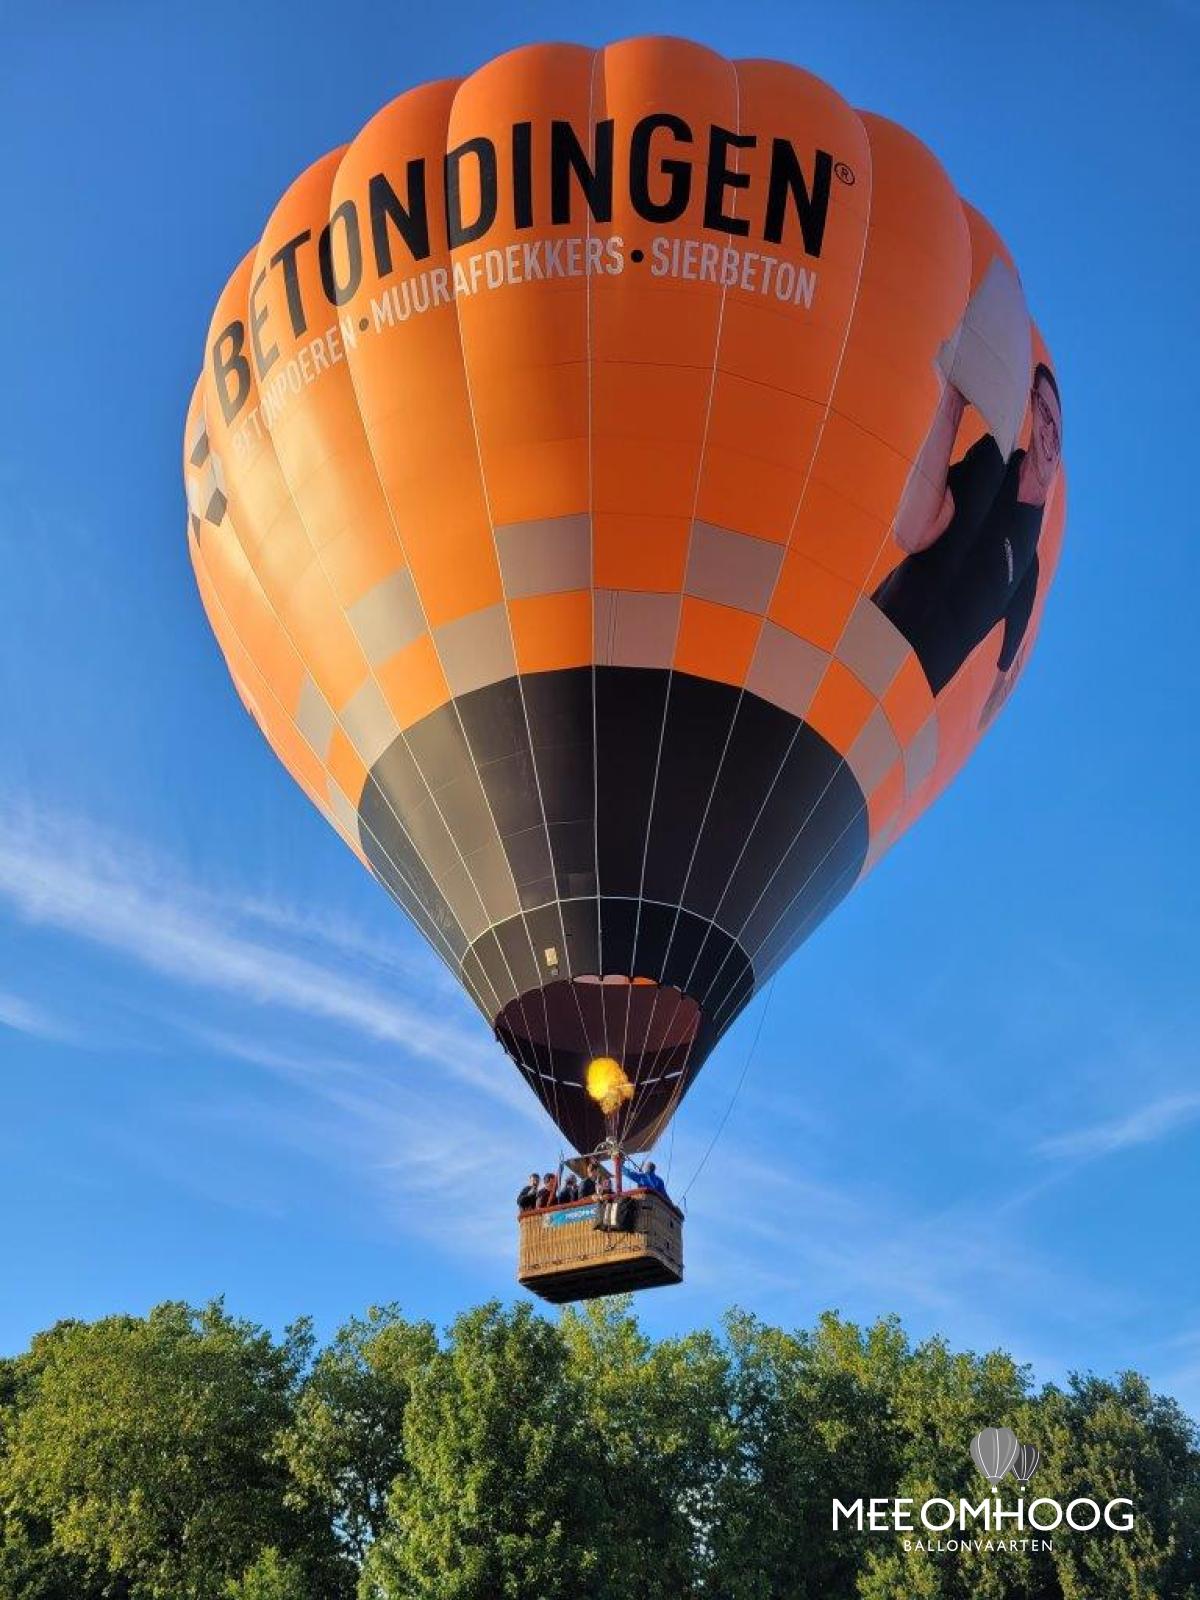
<point>993,1450</point>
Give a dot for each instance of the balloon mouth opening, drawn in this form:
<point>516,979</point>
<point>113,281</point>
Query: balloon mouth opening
<point>606,1055</point>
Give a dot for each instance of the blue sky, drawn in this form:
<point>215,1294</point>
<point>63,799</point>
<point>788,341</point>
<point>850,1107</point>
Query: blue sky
<point>227,1065</point>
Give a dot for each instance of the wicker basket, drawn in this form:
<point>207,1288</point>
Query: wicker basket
<point>567,1252</point>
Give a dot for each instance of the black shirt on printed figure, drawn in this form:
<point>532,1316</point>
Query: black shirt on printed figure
<point>984,568</point>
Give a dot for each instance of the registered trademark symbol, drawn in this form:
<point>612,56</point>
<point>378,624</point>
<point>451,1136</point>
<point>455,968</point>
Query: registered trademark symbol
<point>843,173</point>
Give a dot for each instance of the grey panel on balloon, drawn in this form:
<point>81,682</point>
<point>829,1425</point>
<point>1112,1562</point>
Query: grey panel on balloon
<point>920,754</point>
<point>545,557</point>
<point>633,628</point>
<point>388,617</point>
<point>731,569</point>
<point>872,647</point>
<point>314,718</point>
<point>874,752</point>
<point>476,649</point>
<point>369,723</point>
<point>786,670</point>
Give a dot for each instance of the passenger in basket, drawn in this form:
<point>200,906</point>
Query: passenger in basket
<point>527,1198</point>
<point>547,1194</point>
<point>569,1192</point>
<point>587,1188</point>
<point>647,1178</point>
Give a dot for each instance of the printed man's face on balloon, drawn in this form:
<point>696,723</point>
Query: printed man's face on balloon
<point>1045,438</point>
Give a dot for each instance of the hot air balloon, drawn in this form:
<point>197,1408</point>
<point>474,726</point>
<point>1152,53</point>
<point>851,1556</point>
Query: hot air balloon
<point>993,1450</point>
<point>623,484</point>
<point>1025,1463</point>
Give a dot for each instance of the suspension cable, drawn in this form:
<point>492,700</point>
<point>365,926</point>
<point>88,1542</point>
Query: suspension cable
<point>762,1017</point>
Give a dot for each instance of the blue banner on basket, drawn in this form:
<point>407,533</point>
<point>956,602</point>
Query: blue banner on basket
<point>564,1219</point>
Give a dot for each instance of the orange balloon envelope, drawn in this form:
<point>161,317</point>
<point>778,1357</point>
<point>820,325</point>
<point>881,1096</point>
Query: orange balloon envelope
<point>623,484</point>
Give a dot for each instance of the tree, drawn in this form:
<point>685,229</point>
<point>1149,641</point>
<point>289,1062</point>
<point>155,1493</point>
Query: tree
<point>657,1422</point>
<point>190,1456</point>
<point>941,1399</point>
<point>497,1502</point>
<point>31,1568</point>
<point>148,1449</point>
<point>272,1577</point>
<point>812,1415</point>
<point>345,1448</point>
<point>1112,1438</point>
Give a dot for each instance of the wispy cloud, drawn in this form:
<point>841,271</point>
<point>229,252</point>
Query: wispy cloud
<point>403,1094</point>
<point>60,872</point>
<point>811,1243</point>
<point>810,1232</point>
<point>23,1017</point>
<point>428,1150</point>
<point>330,933</point>
<point>1146,1124</point>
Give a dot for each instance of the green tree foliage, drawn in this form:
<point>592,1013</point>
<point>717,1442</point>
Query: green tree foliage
<point>345,1447</point>
<point>499,1499</point>
<point>272,1577</point>
<point>146,1449</point>
<point>1113,1437</point>
<point>32,1566</point>
<point>811,1412</point>
<point>191,1456</point>
<point>656,1419</point>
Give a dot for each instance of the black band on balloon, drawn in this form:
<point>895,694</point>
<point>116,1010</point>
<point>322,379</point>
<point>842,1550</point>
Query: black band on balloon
<point>547,856</point>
